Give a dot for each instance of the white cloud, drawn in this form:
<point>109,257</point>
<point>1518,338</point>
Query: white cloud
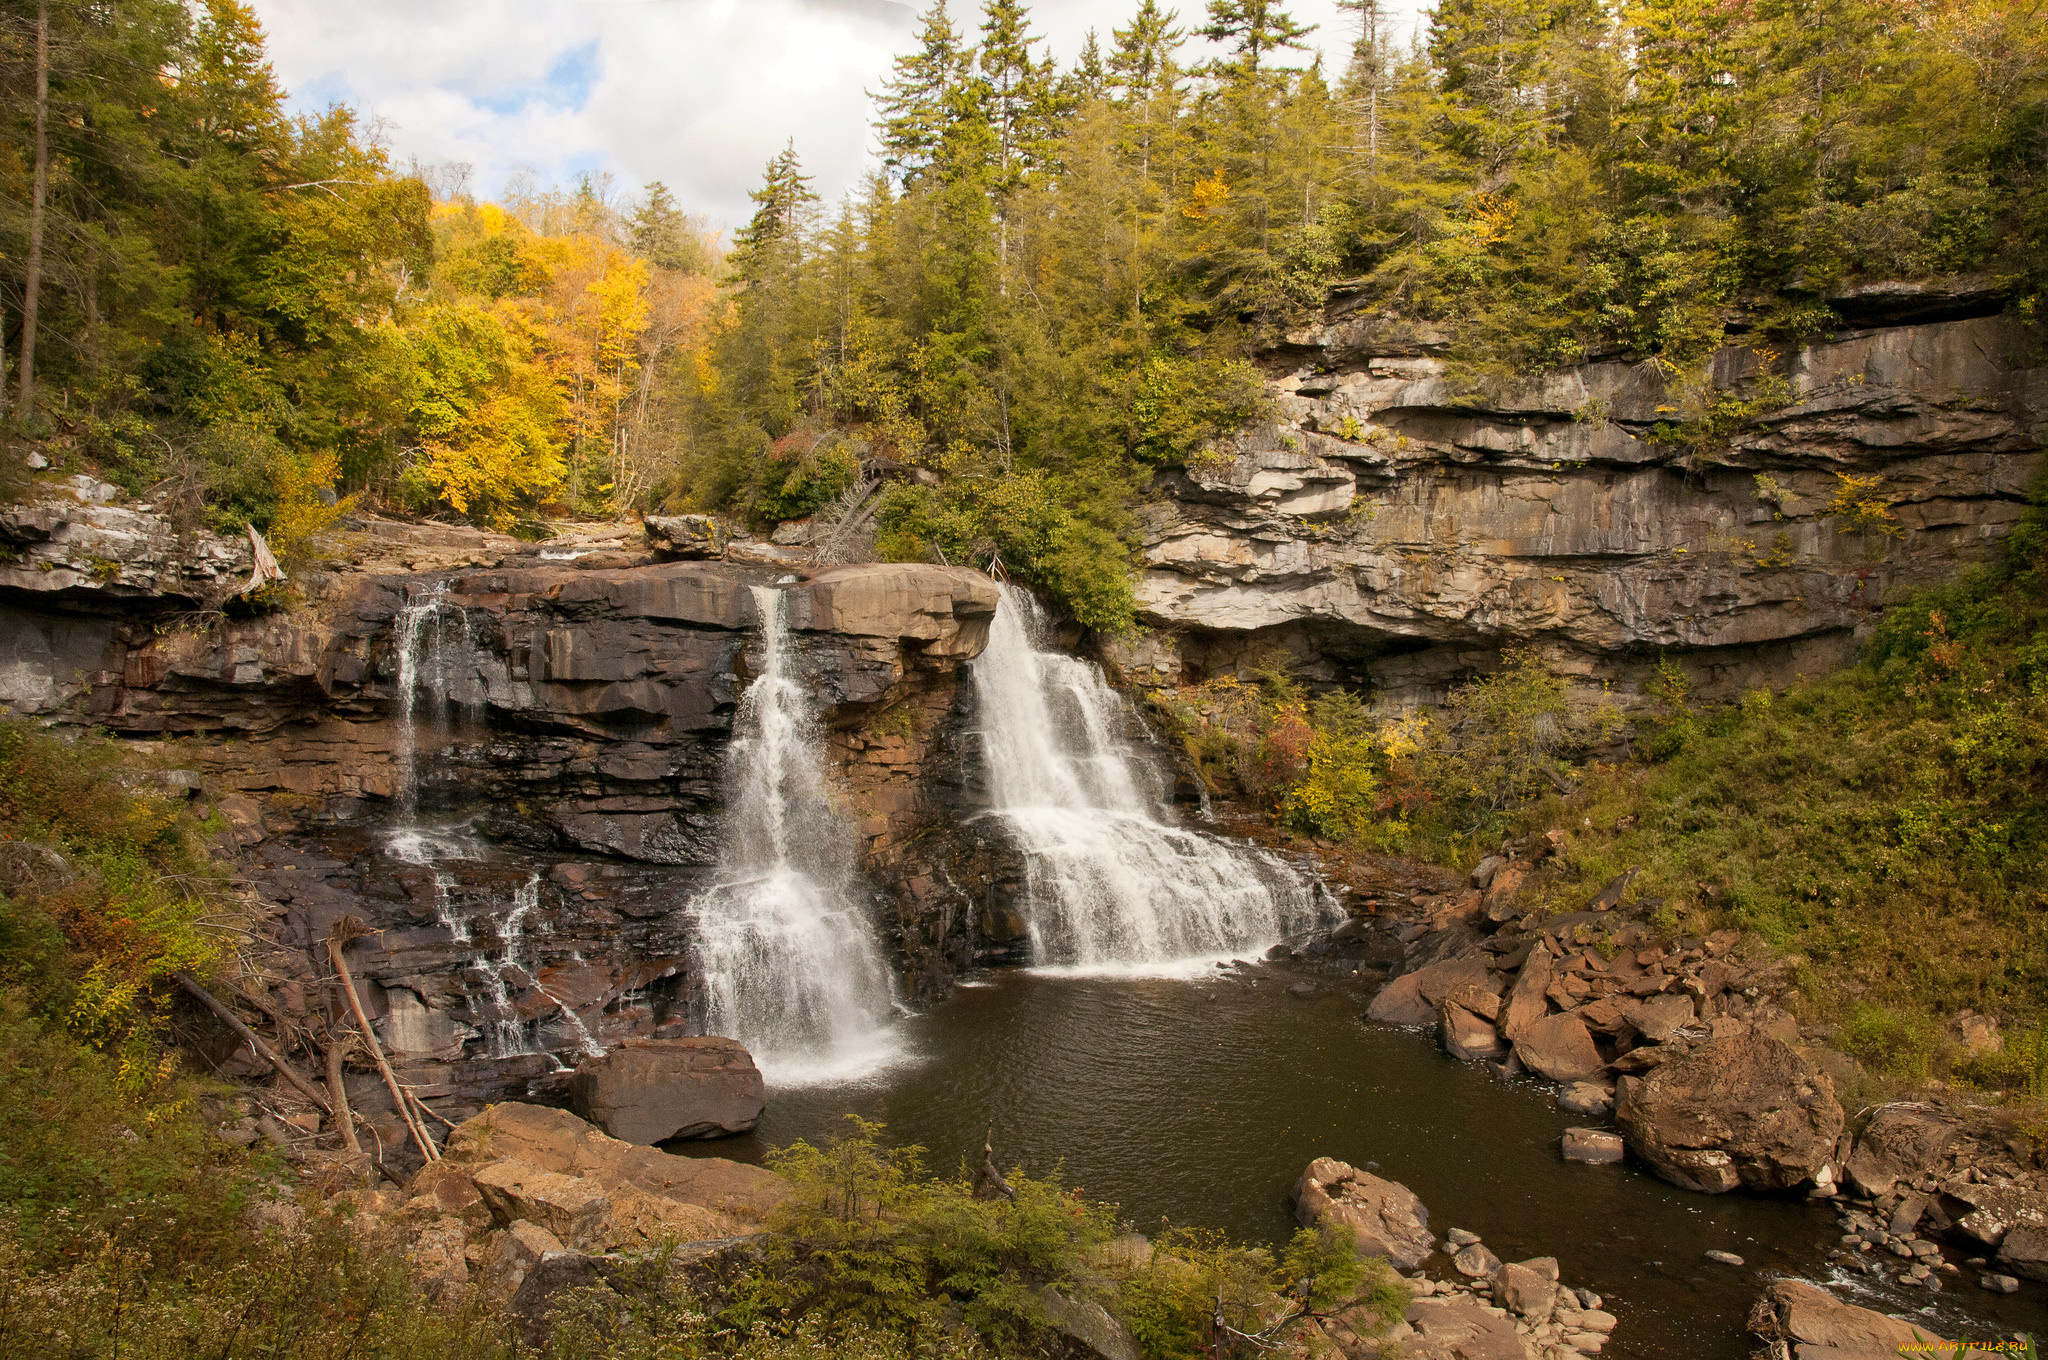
<point>698,93</point>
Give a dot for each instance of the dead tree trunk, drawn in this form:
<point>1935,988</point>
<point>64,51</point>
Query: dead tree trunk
<point>32,280</point>
<point>369,1036</point>
<point>255,1042</point>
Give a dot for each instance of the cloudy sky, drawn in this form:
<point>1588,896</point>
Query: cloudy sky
<point>697,93</point>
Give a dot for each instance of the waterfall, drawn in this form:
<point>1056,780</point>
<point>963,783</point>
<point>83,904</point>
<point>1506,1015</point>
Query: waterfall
<point>1112,883</point>
<point>432,638</point>
<point>786,952</point>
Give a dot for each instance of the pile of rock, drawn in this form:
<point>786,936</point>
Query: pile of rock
<point>1919,1175</point>
<point>531,1201</point>
<point>1483,1307</point>
<point>1684,1041</point>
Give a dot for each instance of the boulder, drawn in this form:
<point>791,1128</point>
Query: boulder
<point>512,1251</point>
<point>1984,1214</point>
<point>1412,998</point>
<point>1526,1002</point>
<point>652,1090</point>
<point>1089,1325</point>
<point>1585,1097</point>
<point>1385,1216</point>
<point>573,1208</point>
<point>435,1253</point>
<point>1742,1111</point>
<point>1476,1261</point>
<point>559,1279</point>
<point>640,1221</point>
<point>1468,1037</point>
<point>1595,1147</point>
<point>556,1140</point>
<point>1558,1047</point>
<point>1660,1017</point>
<point>686,537</point>
<point>2025,1252</point>
<point>1899,1143</point>
<point>1819,1325</point>
<point>1460,1328</point>
<point>1528,1287</point>
<point>1503,889</point>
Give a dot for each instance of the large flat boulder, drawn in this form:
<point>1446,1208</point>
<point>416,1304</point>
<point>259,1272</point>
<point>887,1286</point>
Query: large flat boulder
<point>556,1140</point>
<point>652,1090</point>
<point>1820,1326</point>
<point>1384,1216</point>
<point>1741,1111</point>
<point>944,611</point>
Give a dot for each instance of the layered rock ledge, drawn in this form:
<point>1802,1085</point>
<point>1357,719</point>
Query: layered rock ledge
<point>1387,527</point>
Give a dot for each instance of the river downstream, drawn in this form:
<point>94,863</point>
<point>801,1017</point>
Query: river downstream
<point>1199,1102</point>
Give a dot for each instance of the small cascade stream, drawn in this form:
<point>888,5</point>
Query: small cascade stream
<point>787,954</point>
<point>1112,882</point>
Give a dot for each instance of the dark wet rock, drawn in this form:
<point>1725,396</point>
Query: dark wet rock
<point>2025,1252</point>
<point>652,1090</point>
<point>1385,1217</point>
<point>560,1280</point>
<point>1744,1111</point>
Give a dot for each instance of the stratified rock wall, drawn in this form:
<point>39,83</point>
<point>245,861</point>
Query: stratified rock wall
<point>1385,531</point>
<point>525,845</point>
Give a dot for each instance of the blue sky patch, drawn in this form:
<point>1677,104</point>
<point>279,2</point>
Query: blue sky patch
<point>567,85</point>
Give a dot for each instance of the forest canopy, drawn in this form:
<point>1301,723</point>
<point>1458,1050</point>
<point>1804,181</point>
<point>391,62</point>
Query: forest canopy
<point>1052,286</point>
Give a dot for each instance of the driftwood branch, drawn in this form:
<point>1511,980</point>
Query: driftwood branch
<point>344,930</point>
<point>989,1182</point>
<point>255,1042</point>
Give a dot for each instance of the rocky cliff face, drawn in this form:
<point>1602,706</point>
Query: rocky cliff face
<point>1387,532</point>
<point>507,761</point>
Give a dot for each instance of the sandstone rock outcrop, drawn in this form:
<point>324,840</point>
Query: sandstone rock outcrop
<point>1741,1111</point>
<point>1385,1217</point>
<point>1387,526</point>
<point>652,1090</point>
<point>557,1141</point>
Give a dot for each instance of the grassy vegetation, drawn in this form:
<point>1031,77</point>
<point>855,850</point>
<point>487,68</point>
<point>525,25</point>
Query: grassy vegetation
<point>1887,827</point>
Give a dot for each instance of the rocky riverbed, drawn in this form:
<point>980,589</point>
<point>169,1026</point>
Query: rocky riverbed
<point>1689,1046</point>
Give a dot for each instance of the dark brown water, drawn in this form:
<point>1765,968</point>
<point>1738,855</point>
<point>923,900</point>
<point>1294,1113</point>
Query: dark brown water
<point>1201,1101</point>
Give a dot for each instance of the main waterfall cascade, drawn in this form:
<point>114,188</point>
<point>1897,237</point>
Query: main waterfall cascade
<point>1112,883</point>
<point>786,953</point>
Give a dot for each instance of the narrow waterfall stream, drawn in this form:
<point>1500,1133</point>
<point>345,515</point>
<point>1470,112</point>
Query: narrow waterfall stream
<point>1112,882</point>
<point>784,946</point>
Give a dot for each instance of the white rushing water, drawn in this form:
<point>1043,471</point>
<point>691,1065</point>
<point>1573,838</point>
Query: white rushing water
<point>784,945</point>
<point>1113,883</point>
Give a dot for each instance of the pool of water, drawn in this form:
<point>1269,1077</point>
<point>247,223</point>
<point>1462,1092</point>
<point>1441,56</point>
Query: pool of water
<point>1200,1102</point>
